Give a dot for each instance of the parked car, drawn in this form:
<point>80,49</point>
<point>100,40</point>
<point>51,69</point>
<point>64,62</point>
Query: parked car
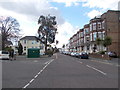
<point>4,55</point>
<point>83,55</point>
<point>112,54</point>
<point>73,54</point>
<point>77,55</point>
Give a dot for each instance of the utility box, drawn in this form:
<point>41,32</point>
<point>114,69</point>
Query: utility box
<point>33,53</point>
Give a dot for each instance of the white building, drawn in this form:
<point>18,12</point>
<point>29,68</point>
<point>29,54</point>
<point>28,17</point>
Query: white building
<point>31,42</point>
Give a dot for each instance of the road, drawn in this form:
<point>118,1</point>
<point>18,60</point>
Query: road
<point>59,71</point>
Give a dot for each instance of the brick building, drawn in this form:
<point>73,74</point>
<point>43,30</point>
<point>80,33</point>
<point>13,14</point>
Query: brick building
<point>108,24</point>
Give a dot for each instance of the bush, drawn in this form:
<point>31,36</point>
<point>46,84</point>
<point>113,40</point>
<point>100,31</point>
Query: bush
<point>102,52</point>
<point>49,52</point>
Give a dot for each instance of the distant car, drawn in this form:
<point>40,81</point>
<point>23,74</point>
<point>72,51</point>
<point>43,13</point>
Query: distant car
<point>69,53</point>
<point>42,54</point>
<point>112,54</point>
<point>83,55</point>
<point>73,54</point>
<point>77,55</point>
<point>4,55</point>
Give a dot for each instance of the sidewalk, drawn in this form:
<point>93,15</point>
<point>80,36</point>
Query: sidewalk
<point>21,57</point>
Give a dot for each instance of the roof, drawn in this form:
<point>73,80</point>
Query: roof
<point>29,38</point>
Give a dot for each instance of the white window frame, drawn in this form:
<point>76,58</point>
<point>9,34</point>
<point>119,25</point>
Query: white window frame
<point>94,26</point>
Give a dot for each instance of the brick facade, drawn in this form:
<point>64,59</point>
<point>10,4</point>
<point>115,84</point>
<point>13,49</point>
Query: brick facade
<point>108,24</point>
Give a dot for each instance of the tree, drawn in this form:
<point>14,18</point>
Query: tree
<point>20,48</point>
<point>47,29</point>
<point>107,41</point>
<point>9,28</point>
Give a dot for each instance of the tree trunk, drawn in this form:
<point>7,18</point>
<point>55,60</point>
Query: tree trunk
<point>3,42</point>
<point>46,44</point>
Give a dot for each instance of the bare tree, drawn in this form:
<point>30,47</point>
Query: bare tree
<point>47,29</point>
<point>9,28</point>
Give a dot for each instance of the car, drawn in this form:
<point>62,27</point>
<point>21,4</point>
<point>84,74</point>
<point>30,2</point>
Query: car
<point>73,54</point>
<point>41,54</point>
<point>4,55</point>
<point>83,55</point>
<point>112,54</point>
<point>69,53</point>
<point>77,55</point>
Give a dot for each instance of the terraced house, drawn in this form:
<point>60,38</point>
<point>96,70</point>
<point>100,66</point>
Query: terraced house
<point>108,24</point>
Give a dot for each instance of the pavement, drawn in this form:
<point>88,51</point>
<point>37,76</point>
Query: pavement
<point>59,71</point>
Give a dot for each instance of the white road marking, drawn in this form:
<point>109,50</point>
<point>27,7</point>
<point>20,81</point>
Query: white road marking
<point>97,70</point>
<point>35,61</point>
<point>47,62</point>
<point>32,80</point>
<point>26,85</point>
<point>37,74</point>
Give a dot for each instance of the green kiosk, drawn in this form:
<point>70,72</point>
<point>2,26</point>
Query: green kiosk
<point>33,53</point>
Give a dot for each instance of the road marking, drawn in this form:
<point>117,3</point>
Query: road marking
<point>47,62</point>
<point>38,74</point>
<point>26,85</point>
<point>97,70</point>
<point>32,80</point>
<point>35,61</point>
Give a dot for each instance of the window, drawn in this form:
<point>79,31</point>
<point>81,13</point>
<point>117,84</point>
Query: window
<point>91,37</point>
<point>103,25</point>
<point>100,35</point>
<point>87,38</point>
<point>86,30</point>
<point>94,36</point>
<point>79,35</point>
<point>25,41</point>
<point>94,26</point>
<point>25,48</point>
<point>82,34</point>
<point>88,47</point>
<point>32,42</point>
<point>99,26</point>
<point>90,27</point>
<point>82,40</point>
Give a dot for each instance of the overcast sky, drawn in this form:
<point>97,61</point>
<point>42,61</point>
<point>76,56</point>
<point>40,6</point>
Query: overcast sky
<point>71,15</point>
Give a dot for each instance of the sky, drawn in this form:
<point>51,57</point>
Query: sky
<point>71,15</point>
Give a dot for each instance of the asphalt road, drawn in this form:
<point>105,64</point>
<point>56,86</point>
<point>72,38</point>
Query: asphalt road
<point>59,71</point>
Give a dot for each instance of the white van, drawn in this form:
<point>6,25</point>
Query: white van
<point>4,55</point>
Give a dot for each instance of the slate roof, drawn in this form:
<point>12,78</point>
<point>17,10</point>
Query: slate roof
<point>29,38</point>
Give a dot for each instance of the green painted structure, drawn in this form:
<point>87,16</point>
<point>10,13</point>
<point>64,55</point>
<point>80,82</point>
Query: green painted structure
<point>33,53</point>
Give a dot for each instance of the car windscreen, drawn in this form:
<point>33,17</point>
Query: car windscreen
<point>4,52</point>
